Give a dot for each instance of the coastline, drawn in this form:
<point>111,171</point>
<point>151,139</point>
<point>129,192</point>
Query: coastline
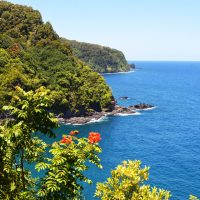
<point>99,116</point>
<point>125,72</point>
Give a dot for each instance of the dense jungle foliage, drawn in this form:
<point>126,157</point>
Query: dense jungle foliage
<point>101,59</point>
<point>33,55</point>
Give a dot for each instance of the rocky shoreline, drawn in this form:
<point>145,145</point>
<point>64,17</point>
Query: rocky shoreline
<point>98,115</point>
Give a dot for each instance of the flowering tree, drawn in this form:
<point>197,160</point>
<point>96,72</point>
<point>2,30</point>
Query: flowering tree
<point>64,171</point>
<point>19,147</point>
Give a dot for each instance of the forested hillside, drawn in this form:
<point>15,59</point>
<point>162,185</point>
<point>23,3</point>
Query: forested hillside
<point>99,58</point>
<point>33,55</point>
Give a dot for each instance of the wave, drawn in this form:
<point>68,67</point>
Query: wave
<point>101,119</point>
<point>125,114</point>
<point>105,117</point>
<point>152,108</point>
<point>93,120</point>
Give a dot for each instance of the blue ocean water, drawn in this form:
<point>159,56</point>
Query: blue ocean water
<point>166,138</point>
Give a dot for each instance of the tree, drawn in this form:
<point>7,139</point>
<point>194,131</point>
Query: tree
<point>19,145</point>
<point>64,171</point>
<point>193,197</point>
<point>126,183</point>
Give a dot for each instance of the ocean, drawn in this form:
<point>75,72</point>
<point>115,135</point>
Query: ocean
<point>166,138</point>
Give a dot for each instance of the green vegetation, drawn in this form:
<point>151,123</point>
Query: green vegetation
<point>126,183</point>
<point>193,197</point>
<point>65,162</point>
<point>33,55</point>
<point>21,147</point>
<point>101,59</point>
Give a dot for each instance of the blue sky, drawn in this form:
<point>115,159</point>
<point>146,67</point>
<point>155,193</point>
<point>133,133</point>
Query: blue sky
<point>142,29</point>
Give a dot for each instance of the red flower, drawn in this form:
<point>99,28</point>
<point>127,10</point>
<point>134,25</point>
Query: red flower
<point>66,140</point>
<point>74,132</point>
<point>94,137</point>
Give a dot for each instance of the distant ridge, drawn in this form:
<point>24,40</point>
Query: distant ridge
<point>100,58</point>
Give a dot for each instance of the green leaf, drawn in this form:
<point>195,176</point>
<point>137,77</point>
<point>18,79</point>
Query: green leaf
<point>12,186</point>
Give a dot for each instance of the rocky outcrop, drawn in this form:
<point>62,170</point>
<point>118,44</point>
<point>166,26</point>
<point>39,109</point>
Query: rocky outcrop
<point>116,110</point>
<point>97,115</point>
<point>123,97</point>
<point>132,66</point>
<point>141,106</point>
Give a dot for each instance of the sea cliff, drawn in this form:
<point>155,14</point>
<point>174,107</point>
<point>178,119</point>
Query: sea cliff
<point>100,58</point>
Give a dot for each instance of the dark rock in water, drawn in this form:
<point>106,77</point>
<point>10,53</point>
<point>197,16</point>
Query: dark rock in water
<point>121,110</point>
<point>112,105</point>
<point>124,97</point>
<point>78,120</point>
<point>142,106</point>
<point>83,120</point>
<point>132,66</point>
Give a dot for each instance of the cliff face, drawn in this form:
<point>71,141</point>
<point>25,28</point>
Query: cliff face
<point>33,55</point>
<point>101,59</point>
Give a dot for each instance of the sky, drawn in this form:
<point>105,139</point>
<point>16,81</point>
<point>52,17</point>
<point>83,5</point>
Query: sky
<point>141,29</point>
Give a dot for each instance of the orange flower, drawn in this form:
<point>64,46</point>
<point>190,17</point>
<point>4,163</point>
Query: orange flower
<point>94,137</point>
<point>66,140</point>
<point>74,132</point>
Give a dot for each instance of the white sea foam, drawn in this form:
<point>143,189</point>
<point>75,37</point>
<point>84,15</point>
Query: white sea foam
<point>101,119</point>
<point>152,108</point>
<point>105,118</point>
<point>125,114</point>
<point>65,123</point>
